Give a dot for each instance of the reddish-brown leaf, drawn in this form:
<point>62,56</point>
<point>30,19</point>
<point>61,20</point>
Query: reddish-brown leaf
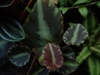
<point>53,58</point>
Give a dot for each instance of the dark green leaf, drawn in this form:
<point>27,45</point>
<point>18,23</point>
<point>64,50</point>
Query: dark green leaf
<point>42,27</point>
<point>83,55</point>
<point>94,65</point>
<point>96,35</point>
<point>75,35</point>
<point>38,70</point>
<point>69,65</point>
<point>98,3</point>
<point>96,50</point>
<point>4,47</point>
<point>19,55</point>
<point>81,2</point>
<point>71,2</point>
<point>64,9</point>
<point>6,3</point>
<point>10,29</point>
<point>90,22</point>
<point>83,11</point>
<point>63,3</point>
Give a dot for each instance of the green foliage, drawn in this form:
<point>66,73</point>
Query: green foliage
<point>94,65</point>
<point>19,55</point>
<point>6,3</point>
<point>83,11</point>
<point>83,55</point>
<point>70,64</point>
<point>75,35</point>
<point>81,2</point>
<point>10,29</point>
<point>42,27</point>
<point>45,33</point>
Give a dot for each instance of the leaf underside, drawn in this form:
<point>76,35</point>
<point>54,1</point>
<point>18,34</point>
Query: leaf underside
<point>75,35</point>
<point>53,58</point>
<point>19,55</point>
<point>44,24</point>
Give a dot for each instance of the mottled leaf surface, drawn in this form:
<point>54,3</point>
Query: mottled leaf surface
<point>44,24</point>
<point>75,35</point>
<point>70,64</point>
<point>53,58</point>
<point>10,29</point>
<point>6,3</point>
<point>19,55</point>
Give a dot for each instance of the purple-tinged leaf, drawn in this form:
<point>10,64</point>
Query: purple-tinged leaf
<point>53,58</point>
<point>69,64</point>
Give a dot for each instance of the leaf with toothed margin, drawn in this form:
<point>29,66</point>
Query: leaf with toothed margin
<point>19,55</point>
<point>37,69</point>
<point>75,35</point>
<point>53,58</point>
<point>10,29</point>
<point>70,64</point>
<point>44,24</point>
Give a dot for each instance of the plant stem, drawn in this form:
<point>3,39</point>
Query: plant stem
<point>89,4</point>
<point>24,12</point>
<point>35,57</point>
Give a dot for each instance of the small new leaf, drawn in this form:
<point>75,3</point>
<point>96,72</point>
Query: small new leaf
<point>53,58</point>
<point>75,35</point>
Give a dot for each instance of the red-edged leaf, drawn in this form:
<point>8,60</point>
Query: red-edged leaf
<point>53,58</point>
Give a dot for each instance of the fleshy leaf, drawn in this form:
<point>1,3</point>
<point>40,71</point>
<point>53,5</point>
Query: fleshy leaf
<point>19,55</point>
<point>37,69</point>
<point>6,3</point>
<point>83,55</point>
<point>70,64</point>
<point>42,26</point>
<point>90,23</point>
<point>75,35</point>
<point>94,65</point>
<point>10,29</point>
<point>4,47</point>
<point>53,58</point>
<point>96,50</point>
